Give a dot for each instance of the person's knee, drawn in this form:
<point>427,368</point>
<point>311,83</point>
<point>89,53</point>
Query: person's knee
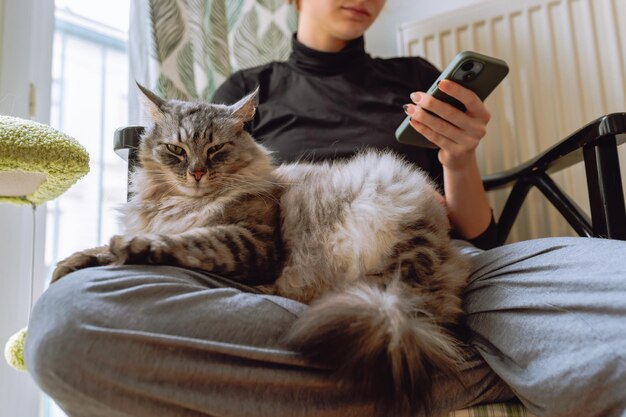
<point>55,340</point>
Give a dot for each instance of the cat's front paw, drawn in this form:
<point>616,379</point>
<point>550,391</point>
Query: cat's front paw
<point>140,249</point>
<point>84,259</point>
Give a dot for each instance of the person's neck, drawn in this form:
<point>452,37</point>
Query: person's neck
<point>311,60</point>
<point>320,41</point>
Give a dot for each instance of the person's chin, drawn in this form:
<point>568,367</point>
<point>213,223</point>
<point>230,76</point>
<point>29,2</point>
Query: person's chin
<point>352,30</point>
<point>350,34</point>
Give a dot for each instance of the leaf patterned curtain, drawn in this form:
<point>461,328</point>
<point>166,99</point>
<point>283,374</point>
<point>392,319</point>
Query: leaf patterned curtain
<point>192,46</point>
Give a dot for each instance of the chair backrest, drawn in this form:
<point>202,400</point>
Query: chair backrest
<point>596,144</point>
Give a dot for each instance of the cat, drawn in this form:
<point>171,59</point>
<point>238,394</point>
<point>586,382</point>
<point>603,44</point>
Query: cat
<point>364,241</point>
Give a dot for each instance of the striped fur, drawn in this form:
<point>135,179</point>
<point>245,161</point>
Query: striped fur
<point>364,241</point>
<point>226,222</point>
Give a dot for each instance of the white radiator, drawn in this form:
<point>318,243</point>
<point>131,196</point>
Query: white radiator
<point>568,66</point>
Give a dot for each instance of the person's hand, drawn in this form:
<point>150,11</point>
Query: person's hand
<point>456,133</point>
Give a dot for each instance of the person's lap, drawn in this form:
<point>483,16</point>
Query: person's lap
<point>140,340</point>
<point>549,316</point>
<point>146,340</point>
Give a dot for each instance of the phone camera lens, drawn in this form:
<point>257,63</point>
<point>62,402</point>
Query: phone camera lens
<point>467,66</point>
<point>469,76</point>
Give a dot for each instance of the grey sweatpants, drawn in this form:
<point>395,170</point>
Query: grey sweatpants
<point>547,316</point>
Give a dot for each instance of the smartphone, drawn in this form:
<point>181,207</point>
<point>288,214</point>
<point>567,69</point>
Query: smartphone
<point>477,72</point>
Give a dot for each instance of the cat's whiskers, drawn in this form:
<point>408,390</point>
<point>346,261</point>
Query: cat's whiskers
<point>267,181</point>
<point>230,183</point>
<point>178,185</point>
<point>265,193</point>
<point>262,182</point>
<point>159,187</point>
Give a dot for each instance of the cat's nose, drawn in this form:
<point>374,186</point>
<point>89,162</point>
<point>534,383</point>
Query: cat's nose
<point>198,174</point>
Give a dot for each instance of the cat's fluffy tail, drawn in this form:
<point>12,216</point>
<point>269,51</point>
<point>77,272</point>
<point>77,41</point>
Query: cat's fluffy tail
<point>380,340</point>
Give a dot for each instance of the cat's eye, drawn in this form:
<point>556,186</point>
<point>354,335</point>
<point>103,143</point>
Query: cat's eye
<point>177,150</point>
<point>215,148</point>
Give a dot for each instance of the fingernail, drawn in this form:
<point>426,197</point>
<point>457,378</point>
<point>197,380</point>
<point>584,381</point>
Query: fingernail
<point>408,109</point>
<point>416,97</point>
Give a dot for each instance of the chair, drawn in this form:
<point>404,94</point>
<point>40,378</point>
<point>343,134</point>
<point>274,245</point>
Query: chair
<point>595,143</point>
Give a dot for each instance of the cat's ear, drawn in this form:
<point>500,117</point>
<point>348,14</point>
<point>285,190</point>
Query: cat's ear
<point>152,103</point>
<point>245,108</point>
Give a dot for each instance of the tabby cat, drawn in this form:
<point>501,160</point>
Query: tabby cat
<point>363,241</point>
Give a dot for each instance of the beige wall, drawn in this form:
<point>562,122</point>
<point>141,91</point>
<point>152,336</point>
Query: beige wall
<point>381,37</point>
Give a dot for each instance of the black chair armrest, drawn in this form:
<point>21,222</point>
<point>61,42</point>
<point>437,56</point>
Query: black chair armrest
<point>126,139</point>
<point>595,144</point>
<point>126,145</point>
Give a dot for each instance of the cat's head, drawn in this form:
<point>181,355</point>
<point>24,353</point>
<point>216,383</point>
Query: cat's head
<point>199,148</point>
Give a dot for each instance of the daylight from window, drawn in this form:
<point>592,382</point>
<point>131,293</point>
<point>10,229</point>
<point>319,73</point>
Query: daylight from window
<point>89,101</point>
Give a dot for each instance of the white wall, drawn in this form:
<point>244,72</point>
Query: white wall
<point>380,39</point>
<point>26,28</point>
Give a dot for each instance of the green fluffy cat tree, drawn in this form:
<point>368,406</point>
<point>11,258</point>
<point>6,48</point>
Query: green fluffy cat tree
<point>37,164</point>
<point>14,350</point>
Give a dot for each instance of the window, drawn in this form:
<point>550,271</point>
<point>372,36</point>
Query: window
<point>89,101</point>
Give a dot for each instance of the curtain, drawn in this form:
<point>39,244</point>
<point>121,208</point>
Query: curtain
<point>185,49</point>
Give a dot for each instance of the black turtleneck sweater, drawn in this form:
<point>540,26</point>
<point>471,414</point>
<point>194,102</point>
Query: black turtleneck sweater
<point>320,105</point>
